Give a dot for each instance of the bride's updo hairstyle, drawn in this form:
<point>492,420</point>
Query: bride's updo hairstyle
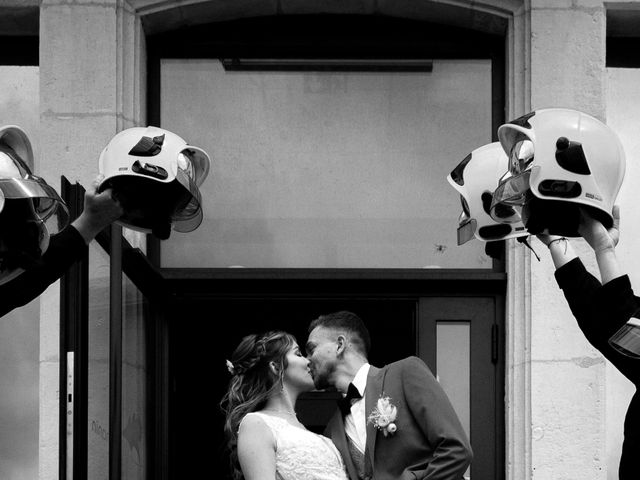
<point>252,381</point>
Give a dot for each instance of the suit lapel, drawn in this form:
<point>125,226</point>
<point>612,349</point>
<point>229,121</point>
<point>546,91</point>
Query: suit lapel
<point>339,437</point>
<point>375,381</point>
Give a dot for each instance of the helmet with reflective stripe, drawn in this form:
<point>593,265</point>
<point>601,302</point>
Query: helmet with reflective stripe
<point>156,177</point>
<point>560,159</point>
<point>475,179</point>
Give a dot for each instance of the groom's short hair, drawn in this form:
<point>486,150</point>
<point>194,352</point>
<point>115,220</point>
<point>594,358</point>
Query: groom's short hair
<point>348,322</point>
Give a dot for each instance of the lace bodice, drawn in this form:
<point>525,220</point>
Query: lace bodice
<point>301,454</point>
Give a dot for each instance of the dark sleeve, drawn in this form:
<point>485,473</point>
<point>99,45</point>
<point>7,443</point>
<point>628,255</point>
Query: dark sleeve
<point>439,422</point>
<point>64,249</point>
<point>614,304</point>
<point>578,286</point>
<point>600,310</point>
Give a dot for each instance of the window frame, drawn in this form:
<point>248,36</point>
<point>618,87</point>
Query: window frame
<point>309,36</point>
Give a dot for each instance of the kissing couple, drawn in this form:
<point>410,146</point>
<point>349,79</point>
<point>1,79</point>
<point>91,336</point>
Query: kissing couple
<point>394,422</point>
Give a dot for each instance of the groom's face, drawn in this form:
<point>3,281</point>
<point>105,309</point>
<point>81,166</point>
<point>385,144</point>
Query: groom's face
<point>321,352</point>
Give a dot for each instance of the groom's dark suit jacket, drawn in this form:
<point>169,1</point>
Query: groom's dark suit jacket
<point>429,443</point>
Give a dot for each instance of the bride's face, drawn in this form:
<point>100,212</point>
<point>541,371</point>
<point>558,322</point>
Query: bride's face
<point>297,373</point>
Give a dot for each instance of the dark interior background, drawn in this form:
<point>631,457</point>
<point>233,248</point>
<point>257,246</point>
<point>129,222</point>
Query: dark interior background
<point>204,334</point>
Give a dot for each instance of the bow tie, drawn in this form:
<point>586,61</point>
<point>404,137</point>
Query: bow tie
<point>352,395</point>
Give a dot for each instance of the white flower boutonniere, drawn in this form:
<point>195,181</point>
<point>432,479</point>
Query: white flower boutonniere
<point>383,416</point>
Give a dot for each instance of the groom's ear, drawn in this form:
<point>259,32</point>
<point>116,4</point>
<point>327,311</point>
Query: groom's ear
<point>342,345</point>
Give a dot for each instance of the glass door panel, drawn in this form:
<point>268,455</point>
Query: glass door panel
<point>453,358</point>
<point>98,368</point>
<point>134,384</point>
<point>133,390</point>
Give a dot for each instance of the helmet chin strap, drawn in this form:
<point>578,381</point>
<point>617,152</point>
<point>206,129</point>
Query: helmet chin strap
<point>526,242</point>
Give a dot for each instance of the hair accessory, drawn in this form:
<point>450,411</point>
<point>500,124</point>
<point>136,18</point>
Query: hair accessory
<point>231,368</point>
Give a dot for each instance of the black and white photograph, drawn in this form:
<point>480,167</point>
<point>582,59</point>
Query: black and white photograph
<point>319,239</point>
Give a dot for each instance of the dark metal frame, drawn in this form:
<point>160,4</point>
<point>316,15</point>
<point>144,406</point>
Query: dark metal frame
<point>74,310</point>
<point>130,261</point>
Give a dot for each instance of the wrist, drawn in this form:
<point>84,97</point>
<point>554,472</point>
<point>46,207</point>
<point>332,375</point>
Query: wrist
<point>608,264</point>
<point>558,242</point>
<point>605,250</point>
<point>87,228</point>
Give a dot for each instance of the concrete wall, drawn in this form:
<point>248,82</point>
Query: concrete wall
<point>92,60</point>
<point>568,389</point>
<point>577,399</point>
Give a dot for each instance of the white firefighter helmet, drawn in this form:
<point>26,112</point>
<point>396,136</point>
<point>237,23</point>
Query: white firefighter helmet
<point>475,179</point>
<point>30,210</point>
<point>155,175</point>
<point>559,160</point>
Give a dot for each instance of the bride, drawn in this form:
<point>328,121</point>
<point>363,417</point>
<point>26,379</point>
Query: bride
<point>265,438</point>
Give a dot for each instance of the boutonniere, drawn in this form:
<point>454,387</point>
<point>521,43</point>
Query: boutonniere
<point>383,416</point>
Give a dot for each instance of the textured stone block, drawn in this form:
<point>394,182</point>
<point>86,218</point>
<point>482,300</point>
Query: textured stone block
<point>568,416</point>
<point>78,61</point>
<point>48,437</point>
<point>568,59</point>
<point>73,145</point>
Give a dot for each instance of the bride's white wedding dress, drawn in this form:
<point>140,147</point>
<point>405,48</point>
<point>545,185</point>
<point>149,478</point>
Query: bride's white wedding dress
<point>301,454</point>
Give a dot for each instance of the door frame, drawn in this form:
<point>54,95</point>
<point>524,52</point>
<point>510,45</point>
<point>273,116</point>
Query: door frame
<point>163,286</point>
<point>191,285</point>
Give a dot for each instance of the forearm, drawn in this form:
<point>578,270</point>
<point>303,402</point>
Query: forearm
<point>64,249</point>
<point>608,265</point>
<point>88,227</point>
<point>561,252</point>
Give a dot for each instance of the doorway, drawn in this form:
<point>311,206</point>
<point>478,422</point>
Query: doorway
<point>458,337</point>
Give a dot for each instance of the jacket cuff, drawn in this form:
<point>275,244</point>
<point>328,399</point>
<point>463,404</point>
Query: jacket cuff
<point>569,271</point>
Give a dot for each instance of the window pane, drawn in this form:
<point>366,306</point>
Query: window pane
<point>98,369</point>
<point>328,169</point>
<point>134,386</point>
<point>454,369</point>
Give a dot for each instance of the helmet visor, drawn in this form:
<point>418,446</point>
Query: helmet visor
<point>511,192</point>
<point>188,216</point>
<point>521,155</point>
<point>466,225</point>
<point>466,230</point>
<point>47,204</point>
<point>195,163</point>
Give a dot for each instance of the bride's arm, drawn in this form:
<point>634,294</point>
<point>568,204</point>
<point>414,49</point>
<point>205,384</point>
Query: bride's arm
<point>256,450</point>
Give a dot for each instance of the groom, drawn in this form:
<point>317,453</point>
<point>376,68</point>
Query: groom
<point>395,422</point>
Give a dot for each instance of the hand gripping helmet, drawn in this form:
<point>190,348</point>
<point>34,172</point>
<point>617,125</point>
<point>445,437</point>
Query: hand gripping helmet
<point>475,179</point>
<point>155,175</point>
<point>30,210</point>
<point>559,160</point>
